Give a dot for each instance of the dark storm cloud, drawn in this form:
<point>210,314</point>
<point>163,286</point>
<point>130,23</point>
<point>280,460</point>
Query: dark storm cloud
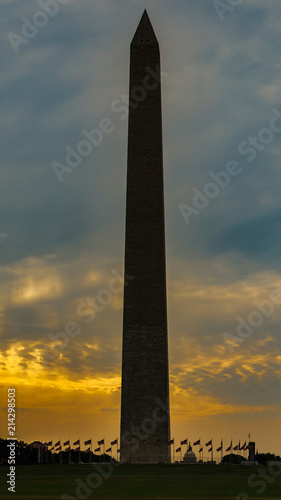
<point>44,96</point>
<point>252,238</point>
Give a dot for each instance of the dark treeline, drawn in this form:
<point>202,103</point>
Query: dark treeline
<point>261,458</point>
<point>26,455</point>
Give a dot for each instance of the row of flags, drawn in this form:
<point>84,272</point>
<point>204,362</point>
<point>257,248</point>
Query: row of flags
<point>58,446</point>
<point>210,443</point>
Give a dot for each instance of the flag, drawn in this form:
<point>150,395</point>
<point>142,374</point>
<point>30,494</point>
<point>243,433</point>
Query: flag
<point>201,449</point>
<point>67,443</point>
<point>97,449</point>
<point>108,450</point>
<point>209,443</point>
<point>76,443</point>
<point>114,442</point>
<point>67,449</point>
<point>184,442</point>
<point>77,449</point>
<point>220,448</point>
<point>230,446</point>
<point>51,449</point>
<point>118,451</point>
<point>170,442</point>
<point>57,444</point>
<point>178,449</point>
<point>197,442</point>
<point>88,442</point>
<point>236,448</point>
<point>211,449</point>
<point>157,442</point>
<point>101,442</point>
<point>58,449</point>
<point>87,450</point>
<point>244,446</point>
<point>37,445</point>
<point>50,443</point>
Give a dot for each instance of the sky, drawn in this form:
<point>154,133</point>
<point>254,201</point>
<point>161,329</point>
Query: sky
<point>62,235</point>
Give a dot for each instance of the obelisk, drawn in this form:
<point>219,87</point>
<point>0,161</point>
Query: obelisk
<point>145,420</point>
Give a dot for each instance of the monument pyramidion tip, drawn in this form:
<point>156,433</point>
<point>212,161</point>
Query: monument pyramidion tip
<point>145,33</point>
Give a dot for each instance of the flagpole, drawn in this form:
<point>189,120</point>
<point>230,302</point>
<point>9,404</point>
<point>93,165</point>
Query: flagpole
<point>91,449</point>
<point>221,450</point>
<point>174,450</point>
<point>103,450</point>
<point>212,454</point>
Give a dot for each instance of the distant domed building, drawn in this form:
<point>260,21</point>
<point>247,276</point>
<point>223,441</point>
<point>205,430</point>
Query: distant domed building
<point>189,456</point>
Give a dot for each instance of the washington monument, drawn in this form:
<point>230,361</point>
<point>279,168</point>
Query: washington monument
<point>145,420</point>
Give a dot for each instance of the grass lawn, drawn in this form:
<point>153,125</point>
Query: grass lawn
<point>140,482</point>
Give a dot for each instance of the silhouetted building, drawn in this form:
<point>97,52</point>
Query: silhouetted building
<point>145,421</point>
<point>189,456</point>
